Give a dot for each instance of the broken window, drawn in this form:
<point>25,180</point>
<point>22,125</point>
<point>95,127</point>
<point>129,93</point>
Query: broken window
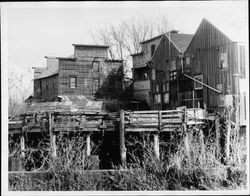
<point>157,88</point>
<point>166,98</point>
<point>196,84</point>
<point>223,60</point>
<point>153,74</point>
<point>152,49</point>
<point>157,98</point>
<point>72,82</point>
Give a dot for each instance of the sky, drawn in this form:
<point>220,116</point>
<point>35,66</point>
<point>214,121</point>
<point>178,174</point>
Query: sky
<point>31,31</point>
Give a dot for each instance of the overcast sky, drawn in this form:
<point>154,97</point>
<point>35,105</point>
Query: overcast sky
<point>31,31</point>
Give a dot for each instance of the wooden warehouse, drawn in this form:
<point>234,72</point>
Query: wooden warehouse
<point>155,69</point>
<point>88,72</point>
<point>219,63</point>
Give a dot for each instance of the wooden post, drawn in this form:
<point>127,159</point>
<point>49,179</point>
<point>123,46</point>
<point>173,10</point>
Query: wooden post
<point>193,99</point>
<point>228,136</point>
<point>201,138</point>
<point>22,143</point>
<point>156,136</point>
<point>122,139</point>
<point>52,136</point>
<point>88,147</point>
<point>157,146</point>
<point>217,130</point>
<point>186,139</point>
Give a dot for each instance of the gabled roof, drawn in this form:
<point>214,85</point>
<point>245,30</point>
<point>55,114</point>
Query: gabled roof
<point>181,41</point>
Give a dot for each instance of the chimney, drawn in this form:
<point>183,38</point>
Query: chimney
<point>52,62</point>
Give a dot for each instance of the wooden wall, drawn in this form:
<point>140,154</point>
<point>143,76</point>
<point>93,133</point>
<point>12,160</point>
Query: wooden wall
<point>204,52</point>
<point>85,51</point>
<point>162,63</point>
<point>46,88</point>
<point>104,81</point>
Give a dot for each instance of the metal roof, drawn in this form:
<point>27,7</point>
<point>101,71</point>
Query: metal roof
<point>181,41</point>
<point>72,103</point>
<point>93,46</point>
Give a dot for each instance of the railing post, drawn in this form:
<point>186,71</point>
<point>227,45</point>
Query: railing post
<point>186,138</point>
<point>88,147</point>
<point>156,136</point>
<point>228,136</point>
<point>52,137</point>
<point>122,139</point>
<point>217,130</point>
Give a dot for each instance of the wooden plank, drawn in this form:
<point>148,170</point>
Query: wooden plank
<point>150,129</point>
<point>157,146</point>
<point>88,147</point>
<point>217,130</point>
<point>122,139</point>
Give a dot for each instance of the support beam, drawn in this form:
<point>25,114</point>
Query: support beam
<point>228,136</point>
<point>157,146</point>
<point>217,130</point>
<point>122,139</point>
<point>88,147</point>
<point>22,144</point>
<point>52,136</point>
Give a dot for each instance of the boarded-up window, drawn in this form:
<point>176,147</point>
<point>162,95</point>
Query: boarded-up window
<point>198,85</point>
<point>157,98</point>
<point>166,98</point>
<point>188,60</point>
<point>153,74</point>
<point>223,60</point>
<point>72,82</point>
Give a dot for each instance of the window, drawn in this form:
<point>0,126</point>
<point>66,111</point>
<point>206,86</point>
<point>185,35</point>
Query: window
<point>157,88</point>
<point>47,84</point>
<point>72,82</point>
<point>167,86</point>
<point>145,76</point>
<point>153,74</point>
<point>163,87</point>
<point>223,60</point>
<point>152,49</point>
<point>96,66</point>
<point>196,84</point>
<point>188,60</point>
<point>157,98</point>
<point>166,98</point>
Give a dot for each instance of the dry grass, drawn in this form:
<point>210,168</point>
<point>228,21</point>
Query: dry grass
<point>198,168</point>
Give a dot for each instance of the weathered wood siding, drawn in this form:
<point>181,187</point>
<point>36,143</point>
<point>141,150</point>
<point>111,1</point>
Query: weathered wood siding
<point>104,80</point>
<point>205,52</point>
<point>46,88</point>
<point>162,63</point>
<point>85,51</point>
<point>141,90</point>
